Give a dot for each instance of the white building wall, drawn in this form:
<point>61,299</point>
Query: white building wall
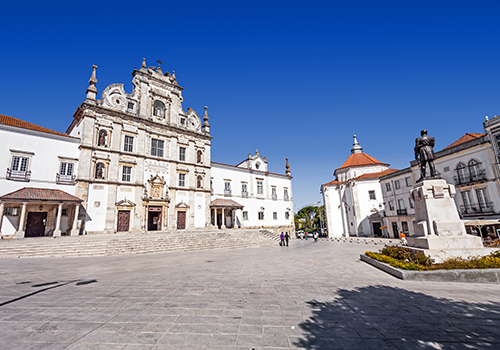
<point>254,202</point>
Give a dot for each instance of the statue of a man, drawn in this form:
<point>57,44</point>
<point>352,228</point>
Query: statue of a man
<point>424,149</point>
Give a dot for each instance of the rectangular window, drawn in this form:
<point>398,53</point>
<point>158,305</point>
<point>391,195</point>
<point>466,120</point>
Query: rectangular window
<point>391,205</point>
<point>273,192</point>
<point>245,215</point>
<point>285,193</point>
<point>243,187</point>
<point>396,184</point>
<point>287,215</point>
<point>130,105</point>
<point>412,205</point>
<point>19,163</point>
<point>372,194</point>
<point>401,204</point>
<point>128,145</point>
<point>182,153</point>
<point>227,185</point>
<point>408,181</point>
<point>66,169</point>
<point>156,148</point>
<point>388,187</point>
<point>260,186</point>
<point>11,211</point>
<point>261,215</point>
<point>182,180</point>
<point>275,215</point>
<point>404,226</point>
<point>126,172</point>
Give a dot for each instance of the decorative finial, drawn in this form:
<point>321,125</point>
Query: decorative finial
<point>256,152</point>
<point>91,90</point>
<point>287,167</point>
<point>356,148</point>
<point>206,126</point>
<point>143,65</point>
<point>249,155</point>
<point>486,118</point>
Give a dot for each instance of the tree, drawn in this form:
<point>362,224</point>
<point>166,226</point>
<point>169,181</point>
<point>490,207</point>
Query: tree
<point>309,214</point>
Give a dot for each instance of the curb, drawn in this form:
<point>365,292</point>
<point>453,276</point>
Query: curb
<point>464,276</point>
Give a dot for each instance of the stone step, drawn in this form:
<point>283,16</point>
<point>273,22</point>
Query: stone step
<point>122,244</point>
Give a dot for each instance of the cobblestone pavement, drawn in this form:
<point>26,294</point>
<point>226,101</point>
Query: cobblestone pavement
<point>307,296</point>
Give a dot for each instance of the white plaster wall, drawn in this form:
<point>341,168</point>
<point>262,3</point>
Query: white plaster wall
<point>44,164</point>
<point>199,210</point>
<point>254,202</point>
<point>365,206</point>
<point>96,216</point>
<point>333,211</point>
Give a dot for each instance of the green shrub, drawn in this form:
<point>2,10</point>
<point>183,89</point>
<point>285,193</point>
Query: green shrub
<point>404,258</point>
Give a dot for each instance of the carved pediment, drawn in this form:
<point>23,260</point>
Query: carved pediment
<point>125,203</point>
<point>182,205</point>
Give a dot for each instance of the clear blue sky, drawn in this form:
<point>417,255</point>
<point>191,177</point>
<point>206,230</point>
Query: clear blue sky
<point>292,79</point>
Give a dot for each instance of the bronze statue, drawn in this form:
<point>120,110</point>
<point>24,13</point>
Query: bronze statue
<point>424,149</point>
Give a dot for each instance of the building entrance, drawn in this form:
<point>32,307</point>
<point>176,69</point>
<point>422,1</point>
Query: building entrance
<point>181,220</point>
<point>123,220</point>
<point>35,225</point>
<point>377,232</point>
<point>154,218</point>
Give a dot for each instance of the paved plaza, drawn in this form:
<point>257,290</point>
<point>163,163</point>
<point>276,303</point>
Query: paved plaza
<point>305,296</point>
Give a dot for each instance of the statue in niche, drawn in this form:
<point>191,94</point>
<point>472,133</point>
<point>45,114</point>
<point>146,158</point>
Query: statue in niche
<point>424,154</point>
<point>102,138</point>
<point>99,171</point>
<point>199,180</point>
<point>199,156</point>
<point>159,109</point>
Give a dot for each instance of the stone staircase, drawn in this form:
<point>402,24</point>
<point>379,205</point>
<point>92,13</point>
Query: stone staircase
<point>135,243</point>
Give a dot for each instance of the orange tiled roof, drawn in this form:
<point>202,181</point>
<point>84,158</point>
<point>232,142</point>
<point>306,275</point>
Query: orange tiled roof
<point>375,175</point>
<point>360,159</point>
<point>40,194</point>
<point>467,137</point>
<point>219,202</point>
<point>18,123</point>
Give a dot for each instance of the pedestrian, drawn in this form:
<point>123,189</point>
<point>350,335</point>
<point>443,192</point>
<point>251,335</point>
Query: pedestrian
<point>287,237</point>
<point>315,237</point>
<point>282,237</point>
<point>305,235</point>
<point>404,242</point>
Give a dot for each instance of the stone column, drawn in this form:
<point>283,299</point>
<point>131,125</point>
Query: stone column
<point>20,230</point>
<point>74,230</point>
<point>2,205</point>
<point>223,223</point>
<point>213,220</point>
<point>57,231</point>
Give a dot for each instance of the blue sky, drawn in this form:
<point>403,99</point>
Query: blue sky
<point>293,79</point>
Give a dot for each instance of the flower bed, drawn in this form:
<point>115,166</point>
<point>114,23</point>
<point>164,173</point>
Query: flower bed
<point>405,259</point>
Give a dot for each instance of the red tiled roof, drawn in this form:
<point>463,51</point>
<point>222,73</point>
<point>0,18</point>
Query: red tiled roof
<point>360,159</point>
<point>334,182</point>
<point>18,123</point>
<point>467,137</point>
<point>375,175</point>
<point>219,202</point>
<point>40,194</point>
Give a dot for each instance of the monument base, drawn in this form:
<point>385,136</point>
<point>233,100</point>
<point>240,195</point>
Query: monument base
<point>445,242</point>
<point>441,255</point>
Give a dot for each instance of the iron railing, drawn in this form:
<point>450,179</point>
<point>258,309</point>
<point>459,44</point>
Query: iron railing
<point>18,175</point>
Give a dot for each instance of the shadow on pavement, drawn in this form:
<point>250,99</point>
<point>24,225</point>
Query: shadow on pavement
<point>381,317</point>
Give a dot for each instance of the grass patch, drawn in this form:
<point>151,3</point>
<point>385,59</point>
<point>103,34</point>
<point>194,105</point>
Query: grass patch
<point>405,259</point>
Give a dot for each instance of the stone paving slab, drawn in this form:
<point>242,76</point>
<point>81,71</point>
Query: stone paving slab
<point>305,296</point>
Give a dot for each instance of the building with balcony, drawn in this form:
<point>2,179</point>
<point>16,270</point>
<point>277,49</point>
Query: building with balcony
<point>399,213</point>
<point>248,195</point>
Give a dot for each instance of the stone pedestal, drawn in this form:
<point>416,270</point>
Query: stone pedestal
<point>437,226</point>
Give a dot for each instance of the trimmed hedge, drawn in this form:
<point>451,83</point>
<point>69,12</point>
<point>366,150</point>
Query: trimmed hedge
<point>404,258</point>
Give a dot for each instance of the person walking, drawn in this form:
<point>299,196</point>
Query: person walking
<point>305,235</point>
<point>315,237</point>
<point>287,237</point>
<point>282,237</point>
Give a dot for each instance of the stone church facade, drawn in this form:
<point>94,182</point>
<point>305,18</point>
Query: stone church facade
<point>139,162</point>
<point>143,159</point>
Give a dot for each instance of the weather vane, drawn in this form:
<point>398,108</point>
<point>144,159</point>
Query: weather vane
<point>159,62</point>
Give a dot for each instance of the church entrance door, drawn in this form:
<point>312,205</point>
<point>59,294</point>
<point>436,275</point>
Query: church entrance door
<point>154,218</point>
<point>35,225</point>
<point>181,220</point>
<point>123,220</point>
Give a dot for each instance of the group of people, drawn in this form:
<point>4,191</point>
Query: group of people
<point>315,235</point>
<point>285,237</point>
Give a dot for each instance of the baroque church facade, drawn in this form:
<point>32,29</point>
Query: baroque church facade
<point>139,162</point>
